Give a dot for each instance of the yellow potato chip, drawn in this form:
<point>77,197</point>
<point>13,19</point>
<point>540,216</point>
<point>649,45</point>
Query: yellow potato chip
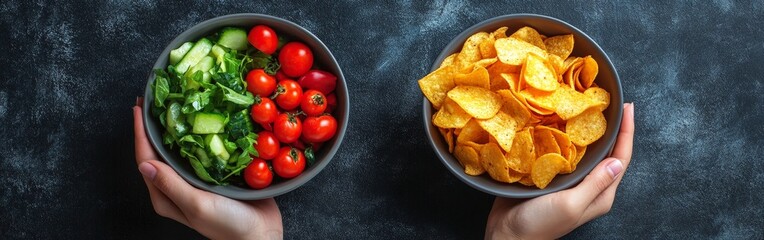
<point>529,35</point>
<point>499,83</point>
<point>545,168</point>
<point>486,47</point>
<point>587,127</point>
<point>580,151</point>
<point>600,96</point>
<point>513,51</point>
<point>521,157</point>
<point>448,61</point>
<point>563,141</point>
<point>484,63</point>
<point>478,77</point>
<point>436,85</point>
<point>476,146</point>
<point>512,80</point>
<point>544,142</point>
<point>472,132</point>
<point>560,45</point>
<point>527,181</point>
<point>514,107</point>
<point>451,115</point>
<point>572,155</point>
<point>564,101</point>
<point>470,52</point>
<point>470,159</point>
<point>588,72</point>
<point>479,102</point>
<point>502,127</point>
<point>538,74</point>
<point>494,163</point>
<point>558,66</point>
<point>500,33</point>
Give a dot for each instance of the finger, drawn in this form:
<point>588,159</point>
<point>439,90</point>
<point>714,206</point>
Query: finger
<point>139,101</point>
<point>163,205</point>
<point>172,185</point>
<point>143,150</point>
<point>595,183</point>
<point>625,141</point>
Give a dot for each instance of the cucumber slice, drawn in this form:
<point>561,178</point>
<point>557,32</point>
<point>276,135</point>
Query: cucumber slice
<point>216,147</point>
<point>208,123</point>
<point>197,52</point>
<point>177,54</point>
<point>204,65</point>
<point>203,158</point>
<point>233,38</point>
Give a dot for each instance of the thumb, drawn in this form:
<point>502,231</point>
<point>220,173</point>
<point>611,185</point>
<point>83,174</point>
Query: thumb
<point>598,180</point>
<point>169,182</point>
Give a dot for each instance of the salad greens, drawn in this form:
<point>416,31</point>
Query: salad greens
<point>205,107</point>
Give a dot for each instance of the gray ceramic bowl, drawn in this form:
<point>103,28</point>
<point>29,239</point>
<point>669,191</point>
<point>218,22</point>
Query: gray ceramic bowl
<point>323,59</point>
<point>607,79</point>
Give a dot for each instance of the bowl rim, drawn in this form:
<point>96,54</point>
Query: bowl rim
<point>456,169</point>
<point>273,190</point>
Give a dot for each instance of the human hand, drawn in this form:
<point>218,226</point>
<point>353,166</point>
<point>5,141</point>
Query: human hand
<point>554,215</point>
<point>212,215</point>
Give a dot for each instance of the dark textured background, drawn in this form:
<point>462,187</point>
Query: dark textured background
<point>72,69</point>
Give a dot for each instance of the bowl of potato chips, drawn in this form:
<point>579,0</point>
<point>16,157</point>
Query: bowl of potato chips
<point>522,105</point>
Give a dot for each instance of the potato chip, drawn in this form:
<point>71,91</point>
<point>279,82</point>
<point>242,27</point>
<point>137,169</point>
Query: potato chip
<point>478,77</point>
<point>512,80</point>
<point>571,157</point>
<point>563,142</point>
<point>470,159</point>
<point>470,51</point>
<point>514,107</point>
<point>483,63</point>
<point>472,132</point>
<point>500,33</point>
<point>527,181</point>
<point>580,151</point>
<point>545,168</point>
<point>501,126</point>
<point>486,47</point>
<point>544,142</point>
<point>494,163</point>
<point>560,45</point>
<point>448,61</point>
<point>529,35</point>
<point>479,102</point>
<point>557,64</point>
<point>588,72</point>
<point>599,95</point>
<point>587,127</point>
<point>538,74</point>
<point>513,51</point>
<point>436,85</point>
<point>476,146</point>
<point>451,115</point>
<point>565,101</point>
<point>523,153</point>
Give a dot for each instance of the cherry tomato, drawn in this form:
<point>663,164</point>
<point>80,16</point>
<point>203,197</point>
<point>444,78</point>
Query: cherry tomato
<point>264,111</point>
<point>313,103</point>
<point>319,129</point>
<point>281,76</point>
<point>267,145</point>
<point>260,83</point>
<point>257,174</point>
<point>287,128</point>
<point>322,81</point>
<point>288,94</point>
<point>296,59</point>
<point>331,103</point>
<point>264,39</point>
<point>289,163</point>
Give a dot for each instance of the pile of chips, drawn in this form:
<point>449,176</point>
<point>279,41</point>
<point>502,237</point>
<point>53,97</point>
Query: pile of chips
<point>518,107</point>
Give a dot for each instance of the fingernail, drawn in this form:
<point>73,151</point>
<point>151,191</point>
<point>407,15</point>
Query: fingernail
<point>136,100</point>
<point>147,170</point>
<point>614,168</point>
<point>631,109</point>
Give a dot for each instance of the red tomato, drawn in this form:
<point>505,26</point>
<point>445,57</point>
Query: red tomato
<point>296,59</point>
<point>288,94</point>
<point>287,128</point>
<point>289,163</point>
<point>267,145</point>
<point>257,174</point>
<point>319,129</point>
<point>264,111</point>
<point>331,103</point>
<point>264,39</point>
<point>299,144</point>
<point>313,103</point>
<point>260,83</point>
<point>322,81</point>
<point>281,76</point>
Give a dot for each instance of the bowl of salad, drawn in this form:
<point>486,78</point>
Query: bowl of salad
<point>247,106</point>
